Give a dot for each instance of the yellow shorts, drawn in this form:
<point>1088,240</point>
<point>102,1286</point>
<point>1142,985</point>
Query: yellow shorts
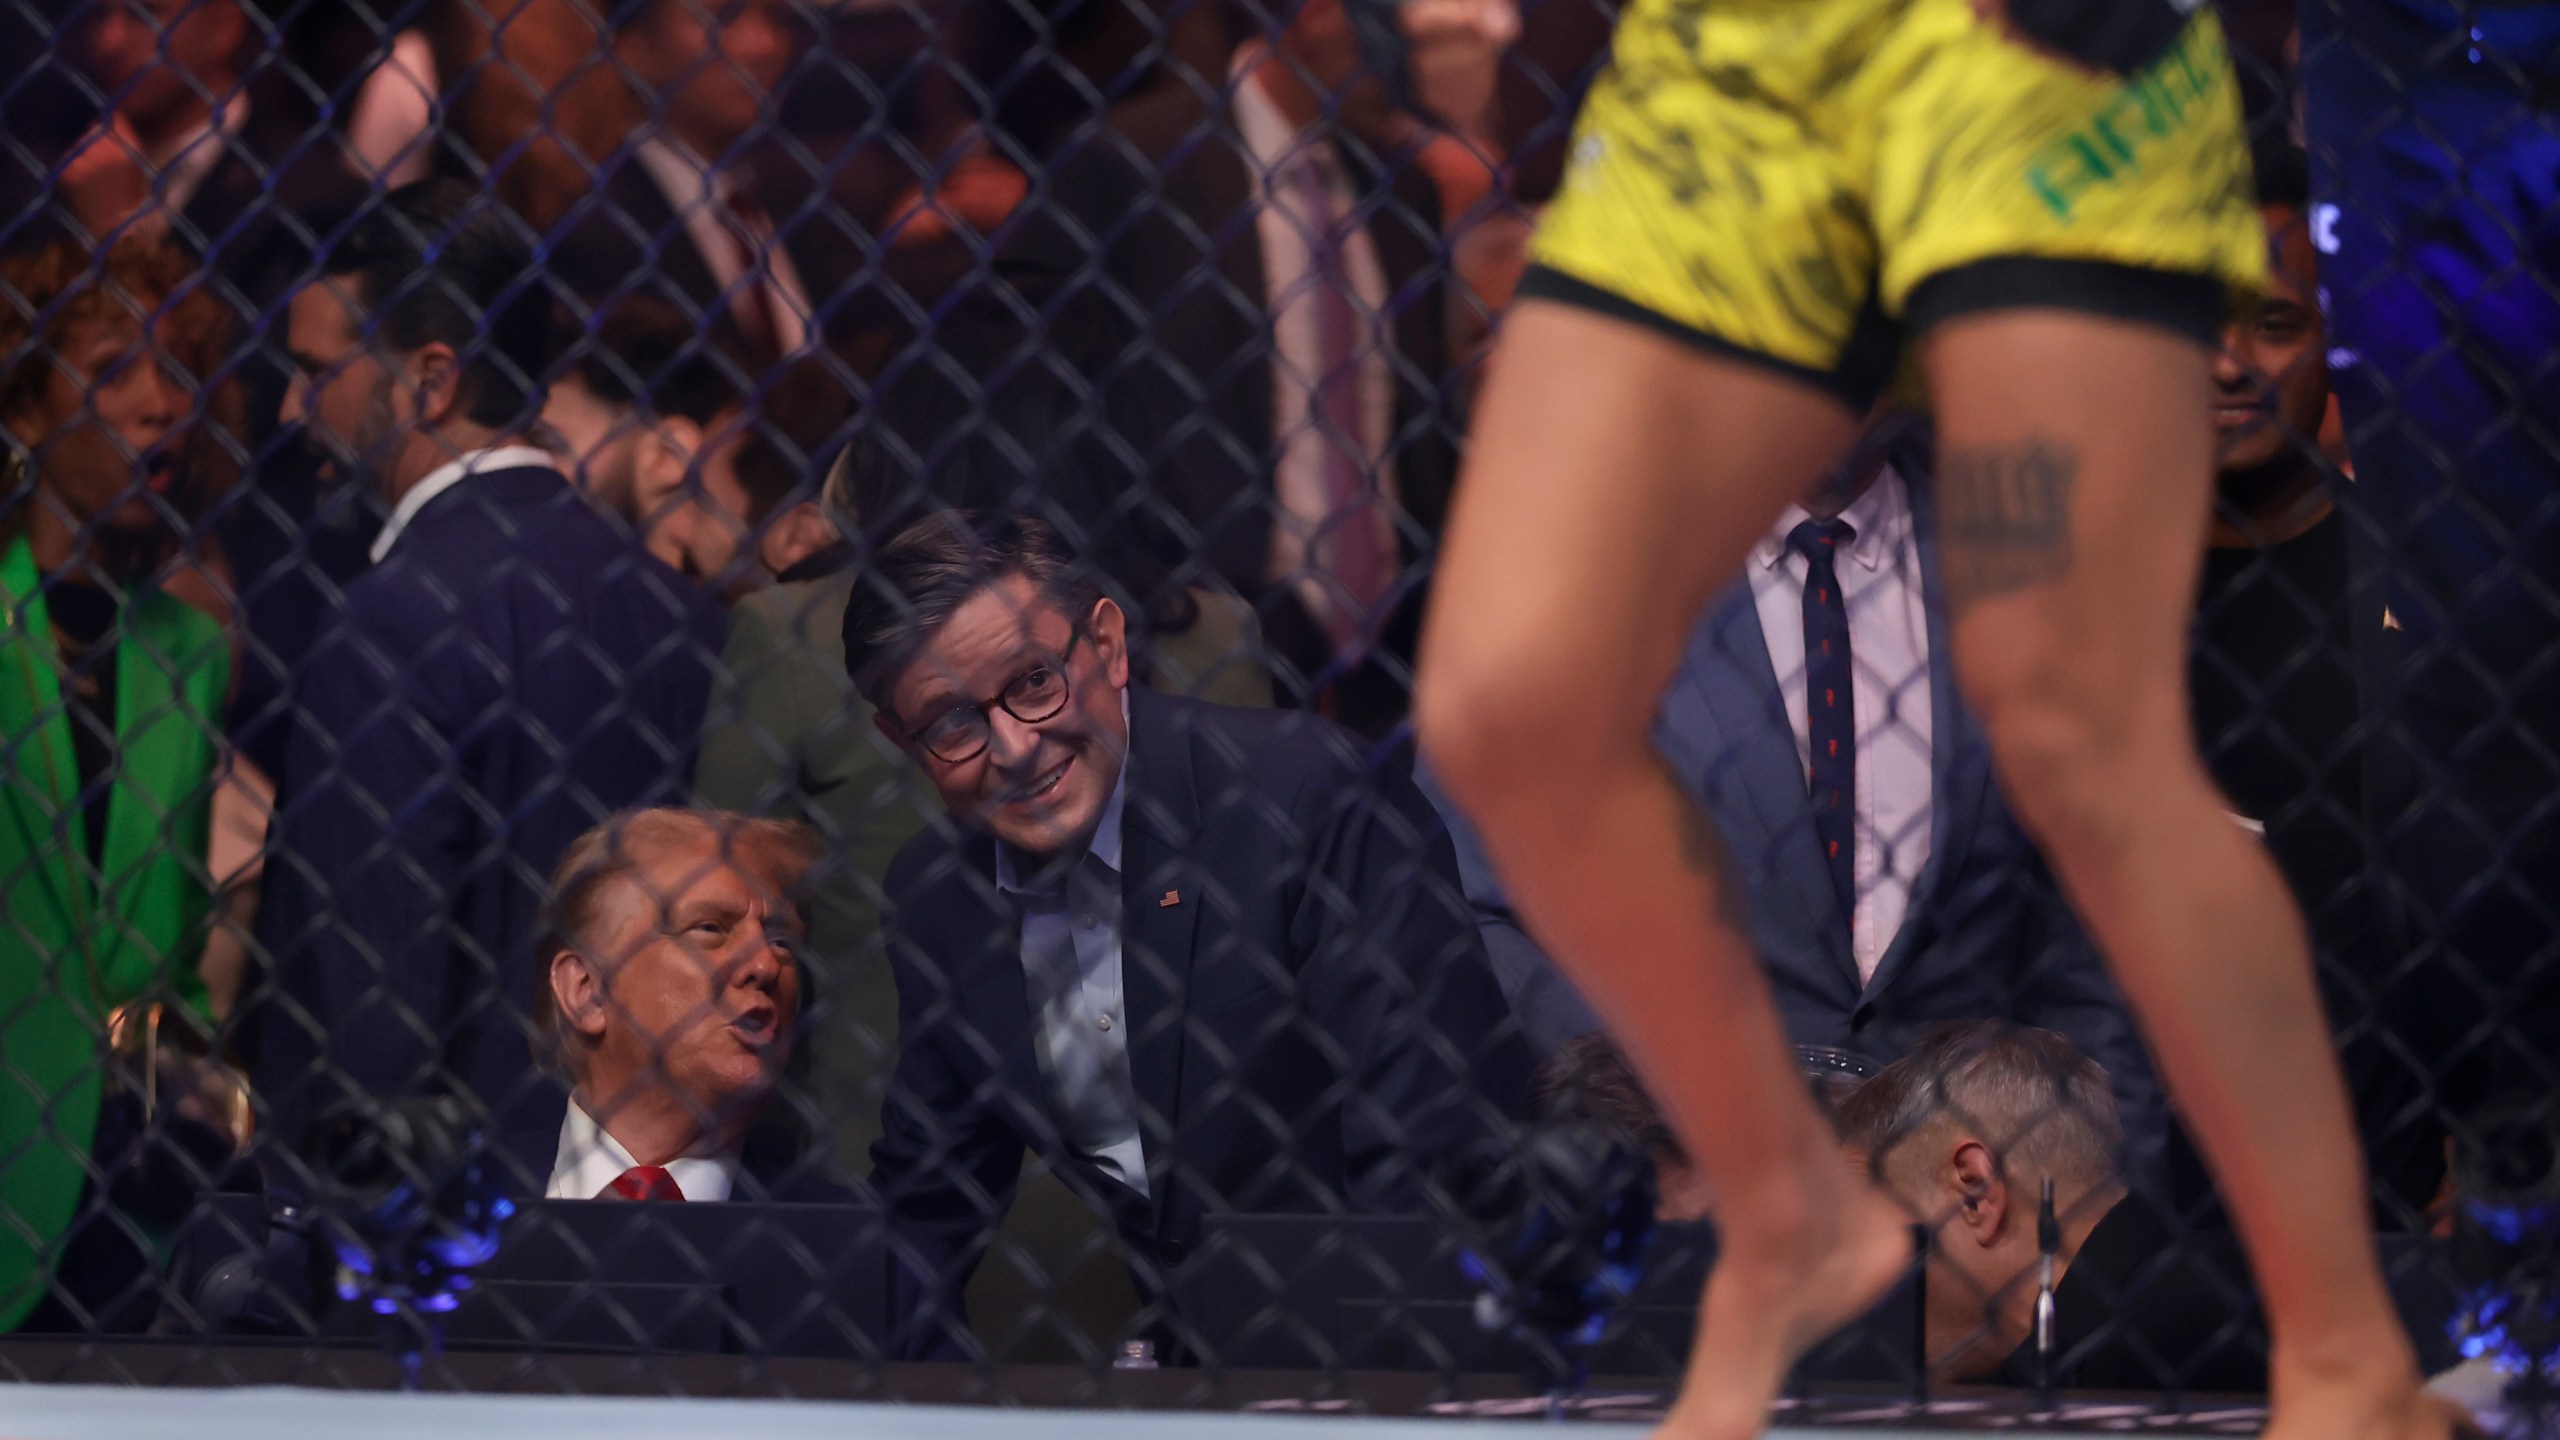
<point>1797,181</point>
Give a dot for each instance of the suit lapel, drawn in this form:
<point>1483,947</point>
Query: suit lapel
<point>1159,828</point>
<point>990,991</point>
<point>1725,730</point>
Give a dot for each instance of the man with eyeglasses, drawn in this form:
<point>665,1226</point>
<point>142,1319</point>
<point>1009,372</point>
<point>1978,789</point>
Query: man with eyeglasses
<point>1196,958</point>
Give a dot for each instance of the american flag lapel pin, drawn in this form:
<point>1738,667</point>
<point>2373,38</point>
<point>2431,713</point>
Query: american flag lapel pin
<point>1171,899</point>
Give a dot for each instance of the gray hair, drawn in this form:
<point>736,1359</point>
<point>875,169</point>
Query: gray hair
<point>2029,1095</point>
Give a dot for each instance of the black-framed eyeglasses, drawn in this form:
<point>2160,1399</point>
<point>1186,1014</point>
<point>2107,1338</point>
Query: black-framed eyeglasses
<point>1038,693</point>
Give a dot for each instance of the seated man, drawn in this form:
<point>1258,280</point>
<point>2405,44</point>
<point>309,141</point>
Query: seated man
<point>1197,957</point>
<point>1965,1130</point>
<point>1889,885</point>
<point>671,999</point>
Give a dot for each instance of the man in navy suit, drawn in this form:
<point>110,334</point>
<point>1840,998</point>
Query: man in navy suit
<point>1912,897</point>
<point>1198,958</point>
<point>510,670</point>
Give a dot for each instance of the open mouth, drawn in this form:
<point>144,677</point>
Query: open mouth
<point>160,472</point>
<point>758,1025</point>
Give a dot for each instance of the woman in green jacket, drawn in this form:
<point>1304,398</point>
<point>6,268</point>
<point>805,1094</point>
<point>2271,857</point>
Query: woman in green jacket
<point>114,663</point>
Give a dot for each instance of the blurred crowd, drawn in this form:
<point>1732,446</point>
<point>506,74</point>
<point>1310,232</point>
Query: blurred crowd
<point>811,601</point>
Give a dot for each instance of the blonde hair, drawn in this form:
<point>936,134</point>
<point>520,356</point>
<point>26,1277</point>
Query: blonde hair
<point>781,852</point>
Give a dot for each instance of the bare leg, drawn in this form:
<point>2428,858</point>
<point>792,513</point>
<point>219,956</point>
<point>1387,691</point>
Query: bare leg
<point>2073,480</point>
<point>1616,479</point>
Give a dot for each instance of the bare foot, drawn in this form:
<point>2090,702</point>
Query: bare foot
<point>1781,1283</point>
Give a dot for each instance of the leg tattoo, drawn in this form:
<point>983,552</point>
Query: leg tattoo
<point>2004,518</point>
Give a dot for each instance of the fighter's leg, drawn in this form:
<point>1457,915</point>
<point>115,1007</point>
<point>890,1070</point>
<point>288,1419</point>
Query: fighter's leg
<point>2075,462</point>
<point>1615,479</point>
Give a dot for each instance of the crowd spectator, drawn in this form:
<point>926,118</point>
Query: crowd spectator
<point>790,735</point>
<point>2288,638</point>
<point>1888,886</point>
<point>113,670</point>
<point>205,142</point>
<point>1196,957</point>
<point>676,213</point>
<point>1966,1130</point>
<point>506,673</point>
<point>670,997</point>
<point>1287,286</point>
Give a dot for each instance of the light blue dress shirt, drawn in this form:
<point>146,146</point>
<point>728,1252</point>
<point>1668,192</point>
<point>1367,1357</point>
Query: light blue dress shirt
<point>1071,917</point>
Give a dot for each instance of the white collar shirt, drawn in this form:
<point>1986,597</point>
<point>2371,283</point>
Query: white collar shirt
<point>590,1159</point>
<point>1273,147</point>
<point>1072,964</point>
<point>451,473</point>
<point>700,197</point>
<point>1880,582</point>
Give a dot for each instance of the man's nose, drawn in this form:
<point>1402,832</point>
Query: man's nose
<point>1010,742</point>
<point>758,963</point>
<point>2230,371</point>
<point>297,402</point>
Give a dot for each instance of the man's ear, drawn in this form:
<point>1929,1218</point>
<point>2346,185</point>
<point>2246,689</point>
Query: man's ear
<point>1982,1194</point>
<point>794,535</point>
<point>434,373</point>
<point>1111,640</point>
<point>577,992</point>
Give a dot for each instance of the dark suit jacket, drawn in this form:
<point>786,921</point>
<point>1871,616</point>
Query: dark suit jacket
<point>511,673</point>
<point>1988,932</point>
<point>1140,240</point>
<point>1311,1025</point>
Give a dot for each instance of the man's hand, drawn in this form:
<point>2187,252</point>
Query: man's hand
<point>1454,59</point>
<point>102,180</point>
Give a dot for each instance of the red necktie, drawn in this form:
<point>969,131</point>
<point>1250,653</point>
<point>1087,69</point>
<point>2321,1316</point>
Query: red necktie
<point>642,1182</point>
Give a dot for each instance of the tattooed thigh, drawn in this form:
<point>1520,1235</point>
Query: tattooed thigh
<point>2004,517</point>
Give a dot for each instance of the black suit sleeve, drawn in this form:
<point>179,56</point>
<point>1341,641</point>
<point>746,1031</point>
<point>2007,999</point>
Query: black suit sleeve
<point>947,1162</point>
<point>376,818</point>
<point>1395,974</point>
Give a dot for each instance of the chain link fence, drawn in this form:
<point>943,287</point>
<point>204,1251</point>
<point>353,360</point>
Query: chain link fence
<point>811,607</point>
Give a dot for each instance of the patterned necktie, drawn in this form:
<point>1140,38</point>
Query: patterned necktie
<point>1830,711</point>
<point>1351,550</point>
<point>757,301</point>
<point>642,1182</point>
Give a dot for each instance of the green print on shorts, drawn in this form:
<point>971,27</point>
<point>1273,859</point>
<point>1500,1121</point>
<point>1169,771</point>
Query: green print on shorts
<point>2153,105</point>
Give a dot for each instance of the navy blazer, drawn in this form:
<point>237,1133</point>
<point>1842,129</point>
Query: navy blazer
<point>1311,1018</point>
<point>1988,932</point>
<point>512,672</point>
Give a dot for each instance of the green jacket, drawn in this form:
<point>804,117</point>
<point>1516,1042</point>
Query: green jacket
<point>75,943</point>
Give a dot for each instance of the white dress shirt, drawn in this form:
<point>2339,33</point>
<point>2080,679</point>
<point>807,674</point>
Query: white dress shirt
<point>1880,582</point>
<point>451,473</point>
<point>1080,1020</point>
<point>1271,145</point>
<point>700,197</point>
<point>591,1159</point>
